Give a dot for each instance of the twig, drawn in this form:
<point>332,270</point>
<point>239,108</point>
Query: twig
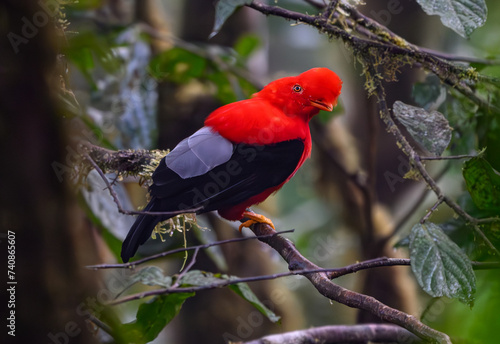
<point>186,269</point>
<point>449,157</point>
<point>177,250</point>
<point>433,208</point>
<point>132,212</point>
<point>487,220</point>
<point>431,303</point>
<point>99,323</point>
<point>466,59</point>
<point>359,181</point>
<point>424,192</point>
<point>221,283</point>
<point>367,264</point>
<point>366,333</point>
<point>331,8</point>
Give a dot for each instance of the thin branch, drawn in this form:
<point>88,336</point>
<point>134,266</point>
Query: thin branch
<point>384,261</point>
<point>102,325</point>
<point>133,264</point>
<point>331,8</point>
<point>433,208</point>
<point>449,157</point>
<point>221,283</point>
<point>367,264</point>
<point>132,212</point>
<point>186,269</point>
<point>418,201</point>
<point>339,294</point>
<point>131,162</point>
<point>366,333</point>
<point>331,273</point>
<point>466,59</point>
<point>359,180</point>
<point>487,220</point>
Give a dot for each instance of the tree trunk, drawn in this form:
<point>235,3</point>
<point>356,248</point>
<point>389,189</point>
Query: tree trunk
<point>49,288</point>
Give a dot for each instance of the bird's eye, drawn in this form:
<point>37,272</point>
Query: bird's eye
<point>297,88</point>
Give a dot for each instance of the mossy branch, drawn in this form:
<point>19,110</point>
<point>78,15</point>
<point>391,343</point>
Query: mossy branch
<point>372,42</point>
<point>123,162</point>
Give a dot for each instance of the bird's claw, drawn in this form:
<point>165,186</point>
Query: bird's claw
<point>253,219</point>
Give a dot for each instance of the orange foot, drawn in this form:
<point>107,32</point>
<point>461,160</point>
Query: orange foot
<point>254,218</point>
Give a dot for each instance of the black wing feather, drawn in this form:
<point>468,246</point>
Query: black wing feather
<point>251,170</point>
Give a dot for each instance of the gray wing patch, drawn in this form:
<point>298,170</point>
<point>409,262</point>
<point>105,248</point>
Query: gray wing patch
<point>199,153</point>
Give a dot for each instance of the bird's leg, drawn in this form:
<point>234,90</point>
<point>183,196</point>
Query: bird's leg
<point>254,218</point>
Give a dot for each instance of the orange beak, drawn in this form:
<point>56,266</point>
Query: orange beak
<point>322,105</point>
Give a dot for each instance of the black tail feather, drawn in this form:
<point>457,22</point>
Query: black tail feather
<point>140,232</point>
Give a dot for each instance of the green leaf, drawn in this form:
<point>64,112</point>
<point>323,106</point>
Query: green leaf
<point>430,93</point>
<point>177,65</point>
<point>153,276</point>
<point>243,290</point>
<point>462,16</point>
<point>87,50</point>
<point>223,10</point>
<point>441,268</point>
<point>430,129</point>
<point>246,45</point>
<point>483,183</point>
<point>153,316</point>
<point>226,92</point>
<point>201,278</point>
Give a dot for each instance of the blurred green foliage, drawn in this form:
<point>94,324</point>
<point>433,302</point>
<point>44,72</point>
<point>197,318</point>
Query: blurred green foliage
<point>215,66</point>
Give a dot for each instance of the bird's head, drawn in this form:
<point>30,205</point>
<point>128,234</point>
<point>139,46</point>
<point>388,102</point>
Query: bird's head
<point>305,94</point>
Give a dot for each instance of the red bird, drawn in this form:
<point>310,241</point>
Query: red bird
<point>246,151</point>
